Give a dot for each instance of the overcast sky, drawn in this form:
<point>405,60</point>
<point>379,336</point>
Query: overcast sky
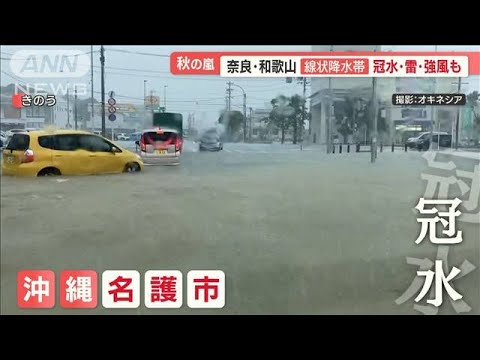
<point>125,72</point>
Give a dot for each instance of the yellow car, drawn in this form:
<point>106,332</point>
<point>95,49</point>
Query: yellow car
<point>66,152</point>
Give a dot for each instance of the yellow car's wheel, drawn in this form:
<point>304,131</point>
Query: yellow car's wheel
<point>49,171</point>
<point>132,167</point>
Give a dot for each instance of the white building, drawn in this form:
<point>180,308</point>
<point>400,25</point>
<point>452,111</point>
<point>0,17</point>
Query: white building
<point>340,87</point>
<point>261,131</point>
<point>258,129</point>
<point>401,121</point>
<point>20,118</point>
<point>63,114</point>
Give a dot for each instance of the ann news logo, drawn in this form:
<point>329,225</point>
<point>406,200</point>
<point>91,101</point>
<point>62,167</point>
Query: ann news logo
<point>50,63</point>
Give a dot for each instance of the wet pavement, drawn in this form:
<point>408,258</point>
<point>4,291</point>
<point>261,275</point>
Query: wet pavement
<point>296,232</point>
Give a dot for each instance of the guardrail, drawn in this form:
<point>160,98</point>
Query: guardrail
<point>357,147</point>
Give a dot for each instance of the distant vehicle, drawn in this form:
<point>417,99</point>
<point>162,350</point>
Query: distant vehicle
<point>122,137</point>
<point>163,143</point>
<point>210,141</point>
<point>135,136</point>
<point>160,146</point>
<point>66,152</point>
<point>169,121</point>
<point>422,141</point>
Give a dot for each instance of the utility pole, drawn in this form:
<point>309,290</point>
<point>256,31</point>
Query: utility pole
<point>75,114</point>
<point>373,145</point>
<point>229,103</point>
<point>328,113</point>
<point>68,107</point>
<point>457,121</point>
<point>244,117</point>
<point>229,92</point>
<point>456,125</point>
<point>230,84</point>
<point>250,127</point>
<point>91,84</point>
<point>432,112</point>
<point>145,94</point>
<point>165,97</point>
<point>304,108</point>
<point>328,120</point>
<point>102,72</point>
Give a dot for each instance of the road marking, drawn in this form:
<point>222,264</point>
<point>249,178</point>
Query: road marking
<point>226,150</point>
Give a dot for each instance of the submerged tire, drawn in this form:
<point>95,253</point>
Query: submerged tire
<point>132,167</point>
<point>50,171</point>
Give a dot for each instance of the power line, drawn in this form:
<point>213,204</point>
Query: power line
<point>176,77</point>
<point>138,53</point>
<point>14,77</point>
<point>199,102</point>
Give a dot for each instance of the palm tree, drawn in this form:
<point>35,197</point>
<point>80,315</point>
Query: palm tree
<point>297,102</point>
<point>281,114</point>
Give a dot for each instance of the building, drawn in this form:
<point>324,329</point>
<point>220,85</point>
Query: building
<point>68,113</point>
<point>335,89</point>
<point>63,114</point>
<point>20,118</point>
<point>401,122</point>
<point>261,131</point>
<point>258,128</point>
<point>128,117</point>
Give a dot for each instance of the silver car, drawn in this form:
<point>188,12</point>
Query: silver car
<point>160,146</point>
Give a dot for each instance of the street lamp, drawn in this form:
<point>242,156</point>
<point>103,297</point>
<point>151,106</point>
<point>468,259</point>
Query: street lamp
<point>244,112</point>
<point>68,106</point>
<point>145,93</point>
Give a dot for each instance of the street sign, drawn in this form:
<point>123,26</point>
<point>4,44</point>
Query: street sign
<point>112,101</point>
<point>112,109</point>
<point>152,100</point>
<point>111,94</point>
<point>112,117</point>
